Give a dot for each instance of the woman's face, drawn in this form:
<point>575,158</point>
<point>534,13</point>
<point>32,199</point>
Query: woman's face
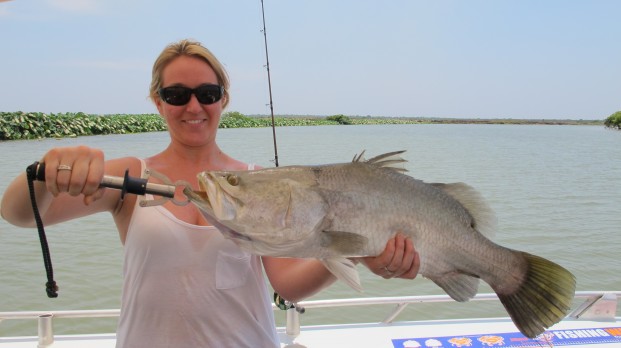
<point>192,124</point>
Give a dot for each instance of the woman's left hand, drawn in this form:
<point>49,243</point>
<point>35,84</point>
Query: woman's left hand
<point>398,260</point>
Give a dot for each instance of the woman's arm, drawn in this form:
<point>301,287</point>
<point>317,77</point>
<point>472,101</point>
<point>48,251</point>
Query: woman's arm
<point>297,279</point>
<point>65,194</point>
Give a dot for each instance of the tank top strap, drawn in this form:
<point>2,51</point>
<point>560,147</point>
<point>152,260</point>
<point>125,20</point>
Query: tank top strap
<point>143,165</point>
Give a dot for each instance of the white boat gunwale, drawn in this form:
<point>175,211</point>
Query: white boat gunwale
<point>597,305</point>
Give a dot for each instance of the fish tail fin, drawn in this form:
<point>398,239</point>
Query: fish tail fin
<point>543,298</point>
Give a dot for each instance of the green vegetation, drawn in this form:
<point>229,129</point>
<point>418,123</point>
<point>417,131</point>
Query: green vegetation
<point>236,119</point>
<point>37,125</point>
<point>614,120</point>
<point>340,119</point>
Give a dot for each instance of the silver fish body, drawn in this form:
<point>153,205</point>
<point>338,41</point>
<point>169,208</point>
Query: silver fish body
<point>332,212</point>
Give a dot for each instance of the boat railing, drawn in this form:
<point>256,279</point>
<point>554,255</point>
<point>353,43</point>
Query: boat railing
<point>596,305</point>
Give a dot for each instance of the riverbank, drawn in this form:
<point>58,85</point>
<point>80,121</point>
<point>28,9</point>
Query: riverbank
<point>36,125</point>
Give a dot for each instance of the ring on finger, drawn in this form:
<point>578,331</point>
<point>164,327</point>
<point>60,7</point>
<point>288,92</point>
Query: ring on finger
<point>389,271</point>
<point>64,167</point>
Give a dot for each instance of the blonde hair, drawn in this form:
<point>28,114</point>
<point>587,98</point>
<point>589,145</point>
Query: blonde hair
<point>188,48</point>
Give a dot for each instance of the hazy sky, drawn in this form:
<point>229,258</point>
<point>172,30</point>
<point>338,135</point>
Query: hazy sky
<point>440,58</point>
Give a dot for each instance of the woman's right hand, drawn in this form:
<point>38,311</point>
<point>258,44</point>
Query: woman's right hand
<point>74,170</point>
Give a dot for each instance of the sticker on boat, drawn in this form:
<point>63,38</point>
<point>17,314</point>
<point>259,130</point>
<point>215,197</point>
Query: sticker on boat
<point>575,337</point>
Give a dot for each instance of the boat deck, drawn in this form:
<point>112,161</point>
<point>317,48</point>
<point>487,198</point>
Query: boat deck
<point>594,323</point>
<point>456,333</point>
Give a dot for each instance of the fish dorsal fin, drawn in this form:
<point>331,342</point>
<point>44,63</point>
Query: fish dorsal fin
<point>484,217</point>
<point>390,160</point>
<point>345,270</point>
<point>359,157</point>
<point>344,243</point>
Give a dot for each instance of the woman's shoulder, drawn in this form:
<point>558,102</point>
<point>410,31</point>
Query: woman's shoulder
<point>234,164</point>
<point>118,166</point>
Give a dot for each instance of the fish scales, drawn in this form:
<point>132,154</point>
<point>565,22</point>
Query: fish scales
<point>408,205</point>
<point>336,211</point>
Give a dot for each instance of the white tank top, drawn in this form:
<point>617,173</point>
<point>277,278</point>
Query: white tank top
<point>187,286</point>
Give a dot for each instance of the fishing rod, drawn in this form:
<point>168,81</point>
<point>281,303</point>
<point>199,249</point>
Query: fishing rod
<point>269,84</point>
<point>279,301</point>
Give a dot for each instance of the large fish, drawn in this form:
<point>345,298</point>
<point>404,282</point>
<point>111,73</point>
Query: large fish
<point>332,212</point>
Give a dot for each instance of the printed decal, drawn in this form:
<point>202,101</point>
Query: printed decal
<point>576,337</point>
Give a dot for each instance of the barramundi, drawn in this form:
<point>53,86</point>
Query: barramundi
<point>337,211</point>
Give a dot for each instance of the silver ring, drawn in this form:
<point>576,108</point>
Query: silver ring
<point>387,270</point>
<point>63,167</point>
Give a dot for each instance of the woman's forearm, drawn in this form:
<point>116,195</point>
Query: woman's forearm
<point>16,206</point>
<point>297,279</point>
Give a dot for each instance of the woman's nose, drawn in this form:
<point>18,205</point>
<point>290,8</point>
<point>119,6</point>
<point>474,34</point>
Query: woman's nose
<point>194,104</point>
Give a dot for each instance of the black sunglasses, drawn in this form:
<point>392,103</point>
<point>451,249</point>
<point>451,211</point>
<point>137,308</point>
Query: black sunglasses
<point>180,95</point>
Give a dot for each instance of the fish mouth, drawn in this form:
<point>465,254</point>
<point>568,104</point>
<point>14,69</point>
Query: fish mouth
<point>199,198</point>
<point>202,201</point>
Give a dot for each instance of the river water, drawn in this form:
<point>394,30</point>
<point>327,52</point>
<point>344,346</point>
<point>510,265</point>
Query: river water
<point>555,189</point>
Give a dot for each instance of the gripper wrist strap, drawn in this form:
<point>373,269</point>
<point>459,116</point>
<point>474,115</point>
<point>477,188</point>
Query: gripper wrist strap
<point>50,287</point>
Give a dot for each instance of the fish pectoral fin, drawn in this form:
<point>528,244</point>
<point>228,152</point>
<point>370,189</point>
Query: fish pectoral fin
<point>460,286</point>
<point>345,270</point>
<point>345,243</point>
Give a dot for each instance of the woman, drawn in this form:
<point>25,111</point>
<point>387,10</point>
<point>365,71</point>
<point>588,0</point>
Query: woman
<point>184,284</point>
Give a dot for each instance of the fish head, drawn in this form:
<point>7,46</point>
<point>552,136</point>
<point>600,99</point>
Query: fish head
<point>268,214</point>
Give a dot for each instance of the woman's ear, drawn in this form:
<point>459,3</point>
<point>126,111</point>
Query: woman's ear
<point>159,105</point>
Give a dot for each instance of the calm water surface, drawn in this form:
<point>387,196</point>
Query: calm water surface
<point>556,191</point>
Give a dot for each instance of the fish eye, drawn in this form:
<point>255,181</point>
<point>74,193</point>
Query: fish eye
<point>232,179</point>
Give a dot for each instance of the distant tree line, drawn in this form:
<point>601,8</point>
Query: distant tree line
<point>37,125</point>
<point>614,120</point>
